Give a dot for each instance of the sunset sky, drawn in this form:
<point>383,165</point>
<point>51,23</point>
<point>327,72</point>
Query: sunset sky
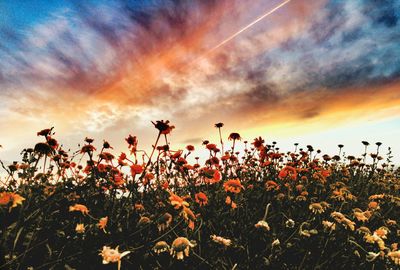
<point>319,72</point>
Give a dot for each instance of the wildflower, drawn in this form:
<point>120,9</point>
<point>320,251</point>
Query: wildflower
<point>288,171</point>
<point>176,201</point>
<point>103,223</point>
<point>229,201</point>
<point>108,157</point>
<point>262,224</point>
<point>394,256</point>
<point>79,207</point>
<point>382,232</point>
<point>360,215</point>
<point>181,247</point>
<point>258,142</point>
<point>289,223</point>
<point>316,208</point>
<point>88,148</point>
<point>271,185</point>
<point>190,148</point>
<point>7,197</point>
<point>211,146</point>
<point>329,226</point>
<point>163,127</point>
<point>80,228</point>
<point>373,205</point>
<point>391,222</point>
<point>276,243</point>
<point>220,240</point>
<point>201,198</point>
<point>143,221</point>
<point>139,207</point>
<point>160,247</point>
<point>112,255</point>
<point>164,222</point>
<point>136,169</point>
<point>43,148</point>
<point>234,136</point>
<point>189,216</point>
<point>233,185</point>
<point>219,125</point>
<point>45,132</point>
<point>364,230</point>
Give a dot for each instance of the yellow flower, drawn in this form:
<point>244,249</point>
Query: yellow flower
<point>79,207</point>
<point>180,248</point>
<point>395,256</point>
<point>316,208</point>
<point>329,225</point>
<point>80,228</point>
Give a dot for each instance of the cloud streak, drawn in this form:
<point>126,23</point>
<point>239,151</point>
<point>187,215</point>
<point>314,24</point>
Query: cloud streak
<point>116,65</point>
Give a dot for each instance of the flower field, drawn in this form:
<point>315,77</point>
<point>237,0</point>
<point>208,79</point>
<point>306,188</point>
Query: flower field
<point>260,208</point>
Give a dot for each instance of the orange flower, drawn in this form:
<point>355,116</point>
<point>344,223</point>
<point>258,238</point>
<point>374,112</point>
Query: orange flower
<point>79,207</point>
<point>373,205</point>
<point>233,185</point>
<point>271,185</point>
<point>5,198</point>
<point>136,169</point>
<point>103,223</point>
<point>189,216</point>
<point>288,171</point>
<point>201,198</point>
<point>176,201</point>
<point>80,228</point>
<point>229,201</point>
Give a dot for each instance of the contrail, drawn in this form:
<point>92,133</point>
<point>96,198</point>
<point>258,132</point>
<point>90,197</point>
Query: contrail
<point>247,26</point>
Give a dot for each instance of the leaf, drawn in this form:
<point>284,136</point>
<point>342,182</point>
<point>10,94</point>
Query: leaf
<point>17,237</point>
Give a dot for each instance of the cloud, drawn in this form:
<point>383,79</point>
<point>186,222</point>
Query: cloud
<point>113,67</point>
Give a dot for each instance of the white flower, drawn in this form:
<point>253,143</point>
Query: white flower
<point>112,255</point>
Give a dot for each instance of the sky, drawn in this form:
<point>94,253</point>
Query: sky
<point>322,72</point>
